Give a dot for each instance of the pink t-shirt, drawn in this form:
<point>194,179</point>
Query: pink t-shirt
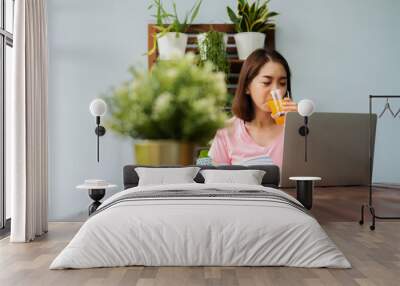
<point>233,145</point>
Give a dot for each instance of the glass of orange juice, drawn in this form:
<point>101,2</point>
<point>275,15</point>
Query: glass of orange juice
<point>276,106</point>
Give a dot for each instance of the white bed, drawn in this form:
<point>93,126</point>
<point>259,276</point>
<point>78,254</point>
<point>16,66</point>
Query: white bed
<point>185,230</point>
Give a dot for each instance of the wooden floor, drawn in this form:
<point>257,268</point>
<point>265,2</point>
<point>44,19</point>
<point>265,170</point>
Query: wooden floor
<point>374,255</point>
<point>343,204</point>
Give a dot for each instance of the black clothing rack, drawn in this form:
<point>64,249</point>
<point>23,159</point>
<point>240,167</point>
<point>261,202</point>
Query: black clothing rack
<point>371,144</point>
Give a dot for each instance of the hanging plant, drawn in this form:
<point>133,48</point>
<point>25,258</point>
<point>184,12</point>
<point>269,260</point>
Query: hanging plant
<point>212,48</point>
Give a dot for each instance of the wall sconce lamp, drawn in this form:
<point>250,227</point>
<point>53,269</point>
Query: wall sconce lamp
<point>305,107</point>
<point>98,108</point>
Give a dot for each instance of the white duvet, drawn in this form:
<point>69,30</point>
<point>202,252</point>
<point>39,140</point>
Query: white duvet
<point>200,231</point>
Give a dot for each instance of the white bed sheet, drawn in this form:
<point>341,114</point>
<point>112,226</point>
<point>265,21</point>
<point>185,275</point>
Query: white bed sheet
<point>200,231</point>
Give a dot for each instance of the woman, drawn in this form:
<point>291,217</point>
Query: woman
<point>252,132</point>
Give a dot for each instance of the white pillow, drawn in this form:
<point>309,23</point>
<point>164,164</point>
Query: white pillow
<point>163,176</point>
<point>249,177</point>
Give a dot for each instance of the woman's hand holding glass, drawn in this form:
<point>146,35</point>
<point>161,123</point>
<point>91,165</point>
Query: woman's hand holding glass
<point>285,105</point>
<point>289,105</point>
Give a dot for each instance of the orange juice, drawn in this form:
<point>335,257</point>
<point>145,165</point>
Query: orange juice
<point>276,108</point>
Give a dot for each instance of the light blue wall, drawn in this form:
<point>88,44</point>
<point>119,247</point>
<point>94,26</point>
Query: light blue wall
<point>339,51</point>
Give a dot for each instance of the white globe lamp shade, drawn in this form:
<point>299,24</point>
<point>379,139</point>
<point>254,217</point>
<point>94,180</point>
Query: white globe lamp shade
<point>98,107</point>
<point>306,107</point>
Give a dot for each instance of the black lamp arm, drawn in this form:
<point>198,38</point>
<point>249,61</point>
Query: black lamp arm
<point>100,131</point>
<point>305,137</point>
<point>303,131</point>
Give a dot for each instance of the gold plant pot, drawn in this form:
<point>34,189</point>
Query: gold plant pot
<point>163,152</point>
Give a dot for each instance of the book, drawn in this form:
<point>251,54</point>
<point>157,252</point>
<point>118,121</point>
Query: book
<point>259,160</point>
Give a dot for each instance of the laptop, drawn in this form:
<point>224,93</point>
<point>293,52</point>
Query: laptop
<point>338,148</point>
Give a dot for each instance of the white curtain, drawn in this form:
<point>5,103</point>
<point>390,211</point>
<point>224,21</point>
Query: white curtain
<point>27,122</point>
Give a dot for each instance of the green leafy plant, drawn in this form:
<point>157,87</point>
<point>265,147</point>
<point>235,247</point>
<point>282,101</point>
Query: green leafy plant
<point>254,17</point>
<point>212,48</point>
<point>177,99</point>
<point>169,22</point>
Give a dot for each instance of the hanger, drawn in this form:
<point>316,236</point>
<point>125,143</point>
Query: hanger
<point>387,107</point>
<point>397,113</point>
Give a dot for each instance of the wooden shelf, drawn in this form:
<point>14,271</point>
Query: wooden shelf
<point>234,62</point>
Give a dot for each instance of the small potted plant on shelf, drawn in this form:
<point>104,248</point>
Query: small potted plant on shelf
<point>212,48</point>
<point>251,22</point>
<point>170,109</point>
<point>170,37</point>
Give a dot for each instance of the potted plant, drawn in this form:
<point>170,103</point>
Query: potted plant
<point>170,38</point>
<point>212,48</point>
<point>251,22</point>
<point>171,108</point>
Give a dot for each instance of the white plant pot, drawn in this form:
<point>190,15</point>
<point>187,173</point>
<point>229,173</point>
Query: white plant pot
<point>248,42</point>
<point>202,36</point>
<point>170,46</point>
